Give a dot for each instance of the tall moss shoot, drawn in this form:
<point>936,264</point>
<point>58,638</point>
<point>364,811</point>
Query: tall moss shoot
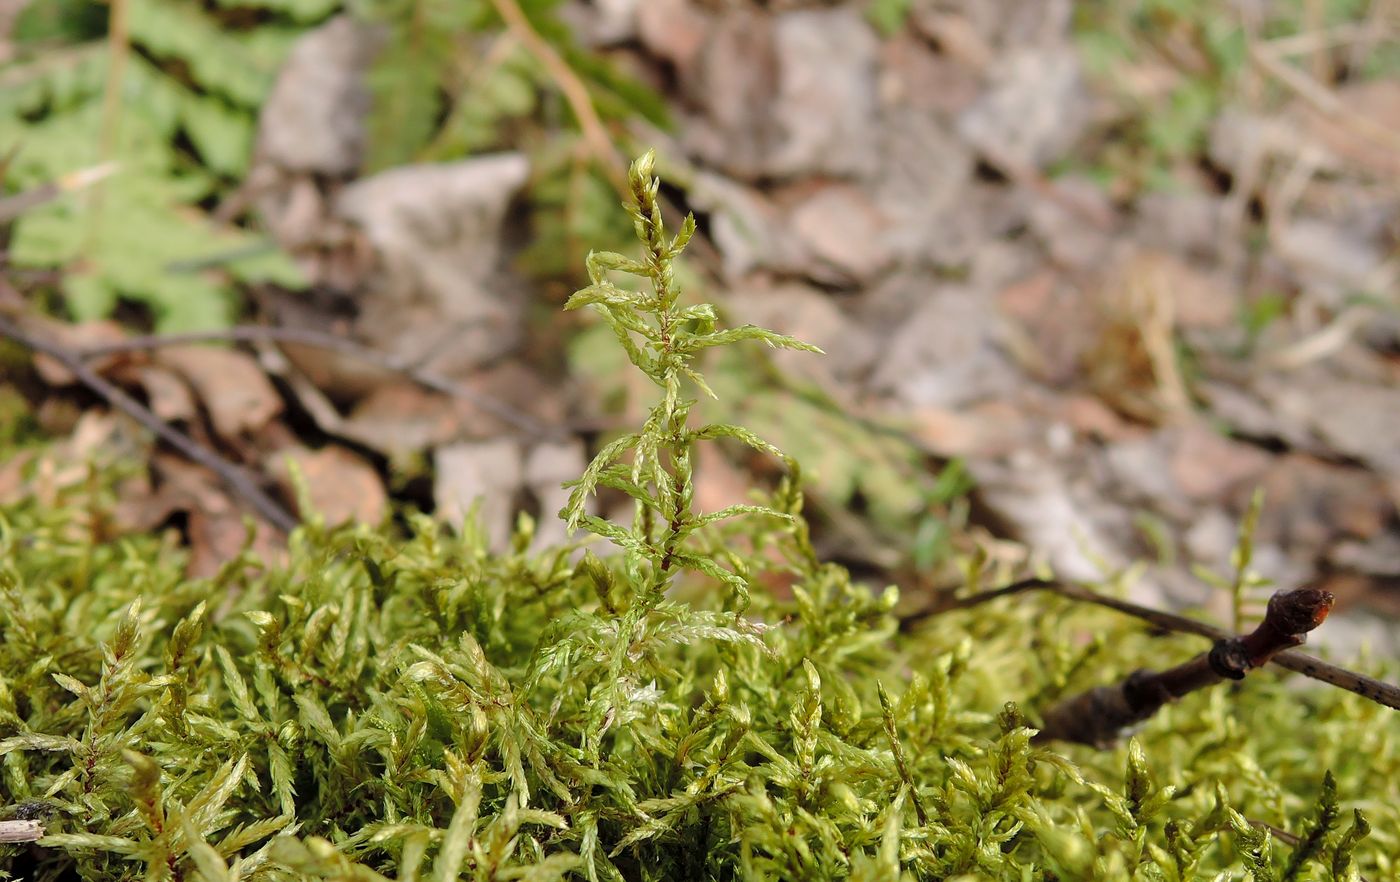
<point>414,707</point>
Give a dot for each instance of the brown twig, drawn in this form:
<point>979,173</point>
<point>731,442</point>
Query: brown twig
<point>232,475</point>
<point>335,343</point>
<point>1099,716</point>
<point>574,89</point>
<point>1323,99</point>
<point>1291,659</point>
<point>12,207</point>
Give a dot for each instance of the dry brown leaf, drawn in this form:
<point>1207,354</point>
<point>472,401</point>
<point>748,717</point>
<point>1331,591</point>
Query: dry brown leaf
<point>1207,465</point>
<point>341,486</point>
<point>167,394</point>
<point>76,338</point>
<point>233,389</point>
<point>1377,102</point>
<point>401,418</point>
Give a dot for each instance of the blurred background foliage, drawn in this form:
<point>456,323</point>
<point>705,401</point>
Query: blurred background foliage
<point>170,92</point>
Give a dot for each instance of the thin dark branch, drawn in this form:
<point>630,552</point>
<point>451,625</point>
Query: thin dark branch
<point>232,475</point>
<point>334,343</point>
<point>1291,659</point>
<point>1099,716</point>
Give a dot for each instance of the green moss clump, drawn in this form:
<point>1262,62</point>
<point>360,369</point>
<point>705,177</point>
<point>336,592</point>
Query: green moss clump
<point>711,701</point>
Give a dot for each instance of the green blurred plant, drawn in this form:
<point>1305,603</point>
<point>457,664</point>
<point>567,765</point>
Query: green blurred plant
<point>169,90</point>
<point>171,97</point>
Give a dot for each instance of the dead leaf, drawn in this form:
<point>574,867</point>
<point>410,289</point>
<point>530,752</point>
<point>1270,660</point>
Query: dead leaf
<point>1031,498</point>
<point>401,418</point>
<point>13,484</point>
<point>815,317</point>
<point>913,78</point>
<point>1207,465</point>
<point>675,30</point>
<point>547,467</point>
<point>167,395</point>
<point>1309,502</point>
<point>484,474</point>
<point>438,298</point>
<point>75,338</point>
<point>232,387</point>
<point>340,485</point>
<point>1375,100</point>
<point>514,385</point>
<point>785,95</point>
<point>844,234</point>
<point>216,528</point>
<point>948,352</point>
<point>1091,418</point>
<point>988,429</point>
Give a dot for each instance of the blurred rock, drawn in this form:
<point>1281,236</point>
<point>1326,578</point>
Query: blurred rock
<point>1035,110</point>
<point>485,475</point>
<point>844,233</point>
<point>1331,261</point>
<point>313,120</point>
<point>786,95</point>
<point>948,352</point>
<point>437,296</point>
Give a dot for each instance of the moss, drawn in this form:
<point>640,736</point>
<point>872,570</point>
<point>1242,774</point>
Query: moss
<point>412,706</point>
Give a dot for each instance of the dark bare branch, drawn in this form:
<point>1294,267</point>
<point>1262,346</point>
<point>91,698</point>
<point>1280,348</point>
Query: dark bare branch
<point>1291,659</point>
<point>232,475</point>
<point>1099,716</point>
